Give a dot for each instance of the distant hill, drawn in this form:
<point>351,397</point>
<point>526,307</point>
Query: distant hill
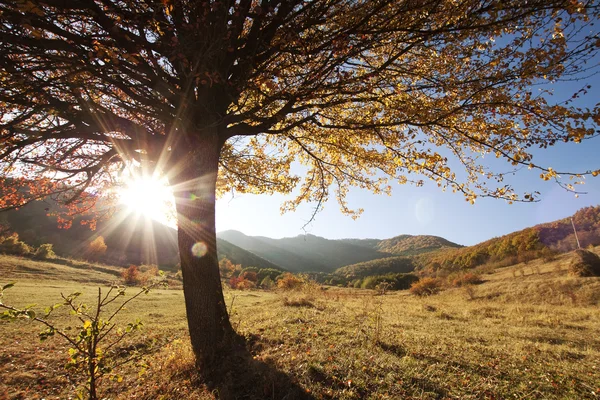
<point>542,240</point>
<point>133,240</point>
<point>405,244</point>
<point>381,266</point>
<point>409,244</point>
<point>310,253</point>
<point>130,239</point>
<point>237,255</point>
<point>304,253</point>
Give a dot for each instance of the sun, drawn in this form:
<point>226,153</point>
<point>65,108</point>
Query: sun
<point>149,197</point>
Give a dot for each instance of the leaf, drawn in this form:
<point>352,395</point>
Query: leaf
<point>8,286</point>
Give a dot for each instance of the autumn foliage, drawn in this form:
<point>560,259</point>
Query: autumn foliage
<point>12,245</point>
<point>289,281</point>
<point>96,248</point>
<point>426,286</point>
<point>131,275</point>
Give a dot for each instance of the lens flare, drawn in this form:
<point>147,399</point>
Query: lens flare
<point>199,249</point>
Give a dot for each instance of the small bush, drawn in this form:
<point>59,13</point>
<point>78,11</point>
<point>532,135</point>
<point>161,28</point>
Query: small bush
<point>133,276</point>
<point>465,279</point>
<point>289,281</point>
<point>12,245</point>
<point>548,254</point>
<point>96,248</point>
<point>585,263</point>
<point>245,284</point>
<point>426,287</point>
<point>150,270</point>
<point>240,283</point>
<point>44,252</point>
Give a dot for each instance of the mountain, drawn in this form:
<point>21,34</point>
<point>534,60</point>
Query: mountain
<point>316,254</point>
<point>130,238</point>
<point>303,253</point>
<point>405,244</point>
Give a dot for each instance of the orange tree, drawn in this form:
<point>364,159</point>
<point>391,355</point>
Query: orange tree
<point>225,95</point>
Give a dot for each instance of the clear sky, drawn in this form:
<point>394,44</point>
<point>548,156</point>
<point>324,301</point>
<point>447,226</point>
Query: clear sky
<point>424,210</point>
<point>428,210</point>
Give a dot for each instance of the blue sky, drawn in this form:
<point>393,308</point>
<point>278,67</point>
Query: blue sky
<point>428,210</point>
<point>424,210</point>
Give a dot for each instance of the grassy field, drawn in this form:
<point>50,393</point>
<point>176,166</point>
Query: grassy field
<point>527,332</point>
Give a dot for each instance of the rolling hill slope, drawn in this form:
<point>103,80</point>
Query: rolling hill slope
<point>382,266</point>
<point>303,253</point>
<point>405,244</point>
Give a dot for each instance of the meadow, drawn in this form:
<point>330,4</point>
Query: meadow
<point>527,332</point>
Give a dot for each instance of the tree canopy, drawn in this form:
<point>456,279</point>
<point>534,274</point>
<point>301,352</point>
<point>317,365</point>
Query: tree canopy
<point>358,91</point>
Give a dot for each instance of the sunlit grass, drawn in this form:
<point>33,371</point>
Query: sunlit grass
<point>507,339</point>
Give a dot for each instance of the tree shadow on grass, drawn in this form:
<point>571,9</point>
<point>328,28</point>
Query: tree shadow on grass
<point>240,376</point>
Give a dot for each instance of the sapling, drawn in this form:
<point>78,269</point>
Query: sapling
<point>92,342</point>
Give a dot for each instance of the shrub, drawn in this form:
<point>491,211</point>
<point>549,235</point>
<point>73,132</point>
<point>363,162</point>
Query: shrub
<point>244,284</point>
<point>96,248</point>
<point>301,302</point>
<point>227,268</point>
<point>44,252</point>
<point>289,281</point>
<point>465,279</point>
<point>426,287</point>
<point>267,283</point>
<point>133,276</point>
<point>585,263</point>
<point>249,275</point>
<point>12,245</point>
<point>179,275</point>
<point>240,283</point>
<point>233,282</point>
<point>398,281</point>
<point>369,282</point>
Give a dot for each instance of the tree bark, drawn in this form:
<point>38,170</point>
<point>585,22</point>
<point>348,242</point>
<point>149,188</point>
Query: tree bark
<point>193,180</point>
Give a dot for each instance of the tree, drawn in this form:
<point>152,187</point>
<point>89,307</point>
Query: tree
<point>96,248</point>
<point>225,95</point>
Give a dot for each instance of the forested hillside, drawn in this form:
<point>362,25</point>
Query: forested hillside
<point>409,244</point>
<point>405,244</point>
<point>376,267</point>
<point>542,240</point>
<point>304,253</point>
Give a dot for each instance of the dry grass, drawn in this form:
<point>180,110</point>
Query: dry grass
<point>524,337</point>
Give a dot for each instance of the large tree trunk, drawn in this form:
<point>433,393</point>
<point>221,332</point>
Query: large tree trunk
<point>194,181</point>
